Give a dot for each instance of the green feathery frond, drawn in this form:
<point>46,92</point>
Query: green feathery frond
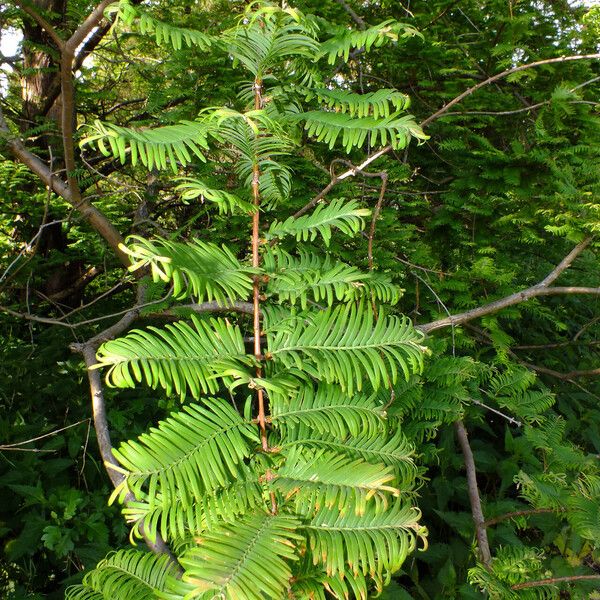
<point>176,520</point>
<point>314,479</point>
<point>371,543</point>
<point>345,344</point>
<point>269,38</point>
<point>511,390</point>
<point>124,575</point>
<point>257,140</point>
<point>346,40</point>
<point>376,104</point>
<point>191,453</point>
<point>584,507</point>
<point>309,276</point>
<point>159,147</point>
<point>198,269</point>
<point>394,129</point>
<point>395,451</point>
<point>348,217</point>
<point>177,358</point>
<point>164,33</point>
<point>246,560</point>
<point>191,188</point>
<point>327,409</point>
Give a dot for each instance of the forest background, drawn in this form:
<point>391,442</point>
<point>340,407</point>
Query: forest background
<point>487,227</point>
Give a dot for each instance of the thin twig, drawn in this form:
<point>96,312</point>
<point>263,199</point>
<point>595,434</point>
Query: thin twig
<point>41,437</point>
<point>258,102</point>
<point>510,419</point>
<point>376,211</point>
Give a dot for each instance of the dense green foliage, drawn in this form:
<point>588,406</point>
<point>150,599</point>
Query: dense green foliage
<point>504,187</point>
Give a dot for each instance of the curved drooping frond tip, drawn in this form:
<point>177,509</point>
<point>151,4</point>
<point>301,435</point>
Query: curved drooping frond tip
<point>198,269</point>
<point>247,560</point>
<point>312,277</point>
<point>312,582</point>
<point>175,520</point>
<point>268,37</point>
<point>377,104</point>
<point>395,129</point>
<point>191,188</point>
<point>164,33</point>
<point>178,358</point>
<point>170,146</point>
<point>327,409</point>
<point>341,44</point>
<point>124,575</point>
<point>369,544</point>
<point>313,479</point>
<point>346,345</point>
<point>191,453</point>
<point>513,565</point>
<point>347,216</point>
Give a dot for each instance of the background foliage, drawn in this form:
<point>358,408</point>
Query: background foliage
<point>502,190</point>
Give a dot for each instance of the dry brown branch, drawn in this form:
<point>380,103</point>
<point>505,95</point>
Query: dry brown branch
<point>519,513</point>
<point>568,376</point>
<point>554,581</point>
<point>41,437</point>
<point>502,75</point>
<point>474,499</point>
<point>540,289</point>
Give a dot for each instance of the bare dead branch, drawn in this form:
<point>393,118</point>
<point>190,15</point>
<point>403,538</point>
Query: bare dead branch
<point>554,581</point>
<point>41,437</point>
<point>558,374</point>
<point>204,307</point>
<point>474,499</point>
<point>520,513</point>
<point>510,419</point>
<point>471,90</point>
<point>540,289</point>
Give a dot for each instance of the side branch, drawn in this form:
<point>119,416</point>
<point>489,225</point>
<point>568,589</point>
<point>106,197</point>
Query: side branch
<point>474,499</point>
<point>442,111</point>
<point>540,289</point>
<point>42,22</point>
<point>89,212</point>
<point>91,21</point>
